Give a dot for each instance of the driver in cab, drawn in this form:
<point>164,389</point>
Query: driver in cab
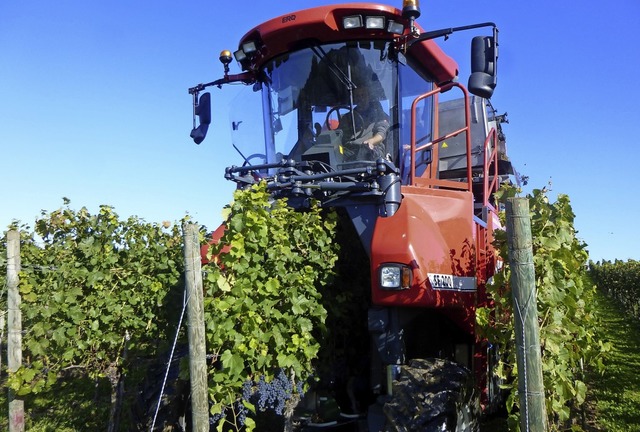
<point>371,126</point>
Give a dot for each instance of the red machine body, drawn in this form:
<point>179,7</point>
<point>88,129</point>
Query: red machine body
<point>423,206</point>
<point>287,33</point>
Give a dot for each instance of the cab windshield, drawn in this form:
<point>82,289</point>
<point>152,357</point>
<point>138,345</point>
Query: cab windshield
<point>332,104</point>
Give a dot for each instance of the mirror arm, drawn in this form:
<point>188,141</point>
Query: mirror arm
<point>198,133</point>
<point>195,106</point>
<point>246,78</point>
<point>447,31</point>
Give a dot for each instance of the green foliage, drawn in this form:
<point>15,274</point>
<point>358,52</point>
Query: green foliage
<point>619,280</point>
<point>263,306</point>
<point>74,403</point>
<point>568,324</point>
<point>94,291</point>
<point>95,299</point>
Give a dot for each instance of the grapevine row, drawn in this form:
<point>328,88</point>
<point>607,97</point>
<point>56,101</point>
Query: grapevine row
<point>565,299</point>
<point>621,281</point>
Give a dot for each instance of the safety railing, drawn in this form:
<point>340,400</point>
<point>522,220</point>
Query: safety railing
<point>432,180</point>
<point>491,181</point>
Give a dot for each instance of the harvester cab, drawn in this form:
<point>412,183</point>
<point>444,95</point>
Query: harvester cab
<point>353,115</point>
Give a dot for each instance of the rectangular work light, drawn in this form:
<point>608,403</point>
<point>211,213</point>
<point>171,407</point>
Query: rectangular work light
<point>394,277</point>
<point>350,22</point>
<point>374,22</point>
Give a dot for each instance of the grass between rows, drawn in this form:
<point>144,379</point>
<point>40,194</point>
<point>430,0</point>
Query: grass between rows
<point>613,403</point>
<point>614,399</point>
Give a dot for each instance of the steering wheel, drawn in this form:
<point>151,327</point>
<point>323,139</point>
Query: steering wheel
<point>359,120</point>
<point>254,156</point>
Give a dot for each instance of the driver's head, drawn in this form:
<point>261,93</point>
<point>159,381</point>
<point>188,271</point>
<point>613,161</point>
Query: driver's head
<point>361,95</point>
<point>369,89</point>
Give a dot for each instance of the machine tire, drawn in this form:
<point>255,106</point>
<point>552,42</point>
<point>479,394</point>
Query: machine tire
<point>433,395</point>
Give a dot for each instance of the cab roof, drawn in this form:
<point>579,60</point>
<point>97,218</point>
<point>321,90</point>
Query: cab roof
<point>324,24</point>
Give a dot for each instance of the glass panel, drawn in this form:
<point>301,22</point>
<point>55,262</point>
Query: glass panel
<point>332,104</point>
<point>247,131</point>
<point>413,85</point>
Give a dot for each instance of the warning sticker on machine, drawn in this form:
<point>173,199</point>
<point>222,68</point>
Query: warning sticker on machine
<point>452,283</point>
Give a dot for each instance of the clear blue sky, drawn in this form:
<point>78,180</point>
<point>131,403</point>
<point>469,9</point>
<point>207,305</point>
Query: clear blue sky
<point>94,104</point>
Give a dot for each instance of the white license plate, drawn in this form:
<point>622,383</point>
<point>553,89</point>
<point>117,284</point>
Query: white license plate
<point>442,281</point>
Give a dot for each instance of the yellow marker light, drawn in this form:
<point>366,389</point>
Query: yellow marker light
<point>411,9</point>
<point>406,277</point>
<point>225,56</point>
<point>410,4</point>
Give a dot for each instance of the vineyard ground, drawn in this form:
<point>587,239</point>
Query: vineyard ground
<point>613,401</point>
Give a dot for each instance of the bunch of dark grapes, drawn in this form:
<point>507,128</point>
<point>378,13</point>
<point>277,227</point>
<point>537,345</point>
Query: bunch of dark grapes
<point>273,395</point>
<point>215,418</point>
<point>241,413</point>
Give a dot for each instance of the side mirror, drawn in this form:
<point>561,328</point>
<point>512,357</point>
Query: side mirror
<point>202,109</point>
<point>484,58</point>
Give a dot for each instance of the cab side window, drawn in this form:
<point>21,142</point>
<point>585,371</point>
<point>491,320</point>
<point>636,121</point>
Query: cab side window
<point>413,85</point>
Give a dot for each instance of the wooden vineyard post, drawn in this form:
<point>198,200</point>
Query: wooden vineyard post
<point>14,322</point>
<point>195,317</point>
<point>533,416</point>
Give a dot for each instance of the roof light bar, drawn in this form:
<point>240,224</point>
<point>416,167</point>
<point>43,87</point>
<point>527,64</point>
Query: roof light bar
<point>240,56</point>
<point>350,22</point>
<point>395,27</point>
<point>374,22</point>
<point>249,47</point>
